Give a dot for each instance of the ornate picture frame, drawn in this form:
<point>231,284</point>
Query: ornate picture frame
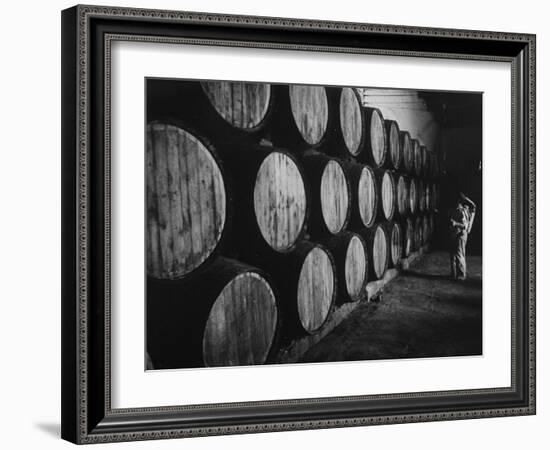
<point>88,33</point>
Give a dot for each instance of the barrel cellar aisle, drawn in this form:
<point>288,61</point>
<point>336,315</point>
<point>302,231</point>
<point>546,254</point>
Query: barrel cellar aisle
<point>275,213</point>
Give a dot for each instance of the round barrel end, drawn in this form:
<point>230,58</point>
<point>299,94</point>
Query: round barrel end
<point>241,325</point>
<point>351,121</point>
<point>316,289</point>
<point>335,197</point>
<point>243,105</point>
<point>356,268</point>
<point>182,230</point>
<point>280,201</point>
<point>309,106</point>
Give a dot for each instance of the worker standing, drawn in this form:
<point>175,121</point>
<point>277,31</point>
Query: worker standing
<point>461,221</point>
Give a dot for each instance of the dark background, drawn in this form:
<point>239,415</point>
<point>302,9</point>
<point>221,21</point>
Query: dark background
<point>460,139</point>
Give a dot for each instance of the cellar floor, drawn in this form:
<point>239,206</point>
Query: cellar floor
<point>421,313</point>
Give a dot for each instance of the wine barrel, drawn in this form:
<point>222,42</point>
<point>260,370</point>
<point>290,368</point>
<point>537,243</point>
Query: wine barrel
<point>395,155</point>
<point>396,243</point>
<point>307,279</point>
<point>403,202</point>
<point>417,157</point>
<point>408,240</point>
<point>221,110</point>
<point>377,245</point>
<point>226,315</point>
<point>350,253</point>
<point>352,123</point>
<point>329,191</point>
<point>387,195</point>
<point>407,150</point>
<point>413,196</point>
<point>270,201</point>
<point>301,116</point>
<point>376,146</point>
<point>364,197</point>
<point>186,202</point>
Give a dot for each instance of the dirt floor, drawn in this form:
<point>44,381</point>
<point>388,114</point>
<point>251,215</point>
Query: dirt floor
<point>421,313</point>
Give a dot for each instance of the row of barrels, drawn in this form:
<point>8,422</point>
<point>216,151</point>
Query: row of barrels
<point>295,117</point>
<point>266,197</point>
<point>266,206</point>
<point>233,313</point>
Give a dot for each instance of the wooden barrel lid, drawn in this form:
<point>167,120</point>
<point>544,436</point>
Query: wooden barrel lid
<point>380,252</point>
<point>377,138</point>
<point>388,195</point>
<point>407,150</point>
<point>355,267</point>
<point>309,105</point>
<point>279,201</point>
<point>241,324</point>
<point>316,289</point>
<point>186,202</point>
<point>394,147</point>
<point>367,196</point>
<point>351,120</point>
<point>243,105</point>
<point>334,197</point>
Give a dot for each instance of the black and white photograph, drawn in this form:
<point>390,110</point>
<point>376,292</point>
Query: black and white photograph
<point>292,223</point>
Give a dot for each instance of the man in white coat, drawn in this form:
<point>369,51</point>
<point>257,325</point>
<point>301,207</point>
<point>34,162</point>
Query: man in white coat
<point>461,221</point>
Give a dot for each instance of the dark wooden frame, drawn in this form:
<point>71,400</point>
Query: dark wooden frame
<point>87,32</point>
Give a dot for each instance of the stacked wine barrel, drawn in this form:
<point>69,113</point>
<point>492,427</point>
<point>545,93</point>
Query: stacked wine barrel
<point>267,207</point>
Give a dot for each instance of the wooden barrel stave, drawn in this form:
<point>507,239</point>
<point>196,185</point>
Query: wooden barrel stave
<point>376,141</point>
<point>395,155</point>
<point>387,194</point>
<point>407,150</point>
<point>352,123</point>
<point>417,157</point>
